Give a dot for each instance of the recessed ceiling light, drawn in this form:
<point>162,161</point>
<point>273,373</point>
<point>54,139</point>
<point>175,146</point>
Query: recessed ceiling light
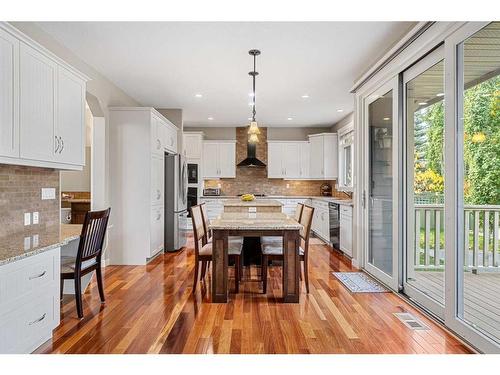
<point>422,103</point>
<point>210,118</point>
<point>198,95</point>
<point>440,94</point>
<point>340,110</point>
<point>290,118</point>
<point>305,96</point>
<point>387,118</point>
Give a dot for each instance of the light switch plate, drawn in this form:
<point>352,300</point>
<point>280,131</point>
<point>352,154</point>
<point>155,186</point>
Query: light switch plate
<point>27,218</point>
<point>35,217</point>
<point>48,193</point>
<point>252,209</point>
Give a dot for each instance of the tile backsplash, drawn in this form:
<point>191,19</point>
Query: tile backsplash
<point>255,181</point>
<point>21,191</point>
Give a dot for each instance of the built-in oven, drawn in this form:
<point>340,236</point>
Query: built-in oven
<point>192,173</point>
<point>192,198</point>
<point>334,211</point>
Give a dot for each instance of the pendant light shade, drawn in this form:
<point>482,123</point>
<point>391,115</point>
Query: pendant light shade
<point>253,138</point>
<point>254,128</point>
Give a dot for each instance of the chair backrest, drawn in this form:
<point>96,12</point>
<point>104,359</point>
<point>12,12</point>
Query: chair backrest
<point>298,211</point>
<point>306,221</point>
<point>205,219</point>
<point>92,236</point>
<point>198,226</point>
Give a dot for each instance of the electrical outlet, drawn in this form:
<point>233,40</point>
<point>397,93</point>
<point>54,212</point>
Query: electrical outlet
<point>27,218</point>
<point>35,217</point>
<point>48,193</point>
<point>35,240</point>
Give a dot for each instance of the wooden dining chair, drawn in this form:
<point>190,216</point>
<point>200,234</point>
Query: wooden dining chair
<point>203,250</point>
<point>274,239</point>
<point>274,250</point>
<point>88,256</point>
<point>209,232</point>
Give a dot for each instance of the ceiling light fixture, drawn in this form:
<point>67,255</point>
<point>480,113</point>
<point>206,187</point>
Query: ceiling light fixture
<point>387,118</point>
<point>198,95</point>
<point>290,118</point>
<point>254,127</point>
<point>340,110</point>
<point>305,96</point>
<point>210,118</point>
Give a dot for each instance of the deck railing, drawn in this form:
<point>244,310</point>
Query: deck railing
<point>481,237</point>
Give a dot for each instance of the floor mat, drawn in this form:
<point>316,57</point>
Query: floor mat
<point>359,282</point>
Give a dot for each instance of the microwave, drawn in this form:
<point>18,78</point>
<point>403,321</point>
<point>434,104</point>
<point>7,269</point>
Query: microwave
<point>211,192</point>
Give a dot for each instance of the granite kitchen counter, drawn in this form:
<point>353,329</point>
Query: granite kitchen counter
<point>255,203</point>
<point>347,202</point>
<point>34,241</point>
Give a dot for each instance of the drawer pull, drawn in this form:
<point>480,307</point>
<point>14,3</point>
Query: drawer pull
<point>38,276</point>
<point>38,320</point>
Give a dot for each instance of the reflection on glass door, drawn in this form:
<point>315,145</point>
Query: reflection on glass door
<point>479,302</point>
<point>381,137</point>
<point>425,252</point>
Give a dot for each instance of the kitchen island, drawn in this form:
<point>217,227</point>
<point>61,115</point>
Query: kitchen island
<point>255,225</point>
<point>257,205</point>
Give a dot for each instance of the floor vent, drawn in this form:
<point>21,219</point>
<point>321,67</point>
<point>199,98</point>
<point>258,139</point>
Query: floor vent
<point>411,321</point>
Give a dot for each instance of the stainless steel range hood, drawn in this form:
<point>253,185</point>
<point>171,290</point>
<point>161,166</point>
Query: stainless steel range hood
<point>251,159</point>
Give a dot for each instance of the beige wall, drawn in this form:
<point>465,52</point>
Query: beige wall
<point>78,180</point>
<point>215,133</point>
<point>273,134</point>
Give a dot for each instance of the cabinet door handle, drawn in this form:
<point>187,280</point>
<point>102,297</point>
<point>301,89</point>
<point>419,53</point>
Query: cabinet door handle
<point>158,144</point>
<point>38,320</point>
<point>38,276</point>
<point>158,194</point>
<point>158,217</point>
<point>62,142</point>
<point>57,144</point>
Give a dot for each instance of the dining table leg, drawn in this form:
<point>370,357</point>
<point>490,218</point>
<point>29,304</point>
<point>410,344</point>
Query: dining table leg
<point>220,265</point>
<point>291,266</point>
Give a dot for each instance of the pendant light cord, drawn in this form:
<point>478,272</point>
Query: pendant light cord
<point>254,73</point>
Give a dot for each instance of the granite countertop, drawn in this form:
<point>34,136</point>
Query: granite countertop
<point>254,221</point>
<point>75,200</point>
<point>347,202</point>
<point>254,203</point>
<point>34,241</point>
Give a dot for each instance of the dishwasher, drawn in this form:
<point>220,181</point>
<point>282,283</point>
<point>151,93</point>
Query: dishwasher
<point>334,215</point>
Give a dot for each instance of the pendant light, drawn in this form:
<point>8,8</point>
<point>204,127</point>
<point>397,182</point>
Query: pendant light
<point>254,130</point>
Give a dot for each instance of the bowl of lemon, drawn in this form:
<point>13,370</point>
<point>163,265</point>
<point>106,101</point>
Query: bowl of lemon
<point>247,197</point>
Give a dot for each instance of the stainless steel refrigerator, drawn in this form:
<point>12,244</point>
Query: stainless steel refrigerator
<point>176,185</point>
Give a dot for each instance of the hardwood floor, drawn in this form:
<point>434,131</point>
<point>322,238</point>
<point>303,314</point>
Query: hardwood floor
<point>150,309</point>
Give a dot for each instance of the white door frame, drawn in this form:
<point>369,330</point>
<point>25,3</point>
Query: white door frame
<point>409,238</point>
<point>390,280</point>
<point>454,225</point>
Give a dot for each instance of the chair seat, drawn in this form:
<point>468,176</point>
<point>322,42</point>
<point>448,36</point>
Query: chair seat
<point>271,240</point>
<point>276,249</point>
<point>234,248</point>
<point>68,264</point>
<point>232,239</point>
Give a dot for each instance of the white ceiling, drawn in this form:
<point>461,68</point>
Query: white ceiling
<point>164,64</point>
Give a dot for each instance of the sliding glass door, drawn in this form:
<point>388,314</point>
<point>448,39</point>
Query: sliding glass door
<point>424,106</point>
<point>381,137</point>
<point>474,197</point>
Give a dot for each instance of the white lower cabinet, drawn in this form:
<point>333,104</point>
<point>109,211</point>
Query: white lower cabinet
<point>157,230</point>
<point>29,301</point>
<point>346,229</point>
<point>321,219</point>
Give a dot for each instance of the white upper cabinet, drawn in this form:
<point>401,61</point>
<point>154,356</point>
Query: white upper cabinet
<point>70,120</point>
<point>288,159</point>
<point>42,105</point>
<point>163,136</point>
<point>9,91</point>
<point>219,159</point>
<point>324,154</point>
<point>37,106</point>
<point>193,144</point>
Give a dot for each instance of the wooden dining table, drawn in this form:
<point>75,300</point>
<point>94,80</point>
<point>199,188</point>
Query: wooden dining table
<point>249,224</point>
